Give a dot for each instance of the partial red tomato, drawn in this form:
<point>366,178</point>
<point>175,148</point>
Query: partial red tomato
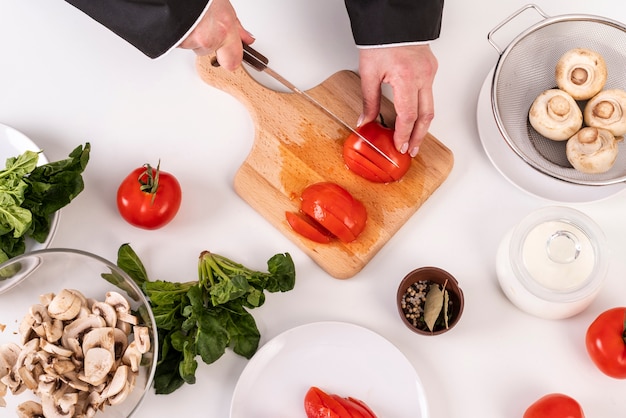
<point>606,342</point>
<point>149,198</point>
<point>335,209</point>
<point>363,405</point>
<point>308,228</point>
<point>555,405</point>
<point>319,404</point>
<point>366,162</point>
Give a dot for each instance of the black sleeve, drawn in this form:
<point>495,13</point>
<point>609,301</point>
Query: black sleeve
<point>377,22</point>
<point>152,26</point>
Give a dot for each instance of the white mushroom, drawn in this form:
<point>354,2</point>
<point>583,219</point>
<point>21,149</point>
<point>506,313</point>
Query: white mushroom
<point>142,337</point>
<point>52,409</point>
<point>106,311</point>
<point>132,356</point>
<point>592,150</point>
<point>98,363</point>
<point>76,329</point>
<point>607,110</point>
<point>30,409</point>
<point>555,115</point>
<point>65,305</point>
<point>581,72</point>
<point>117,383</point>
<point>82,370</point>
<point>100,337</point>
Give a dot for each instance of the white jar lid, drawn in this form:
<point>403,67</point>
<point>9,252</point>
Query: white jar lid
<point>559,254</point>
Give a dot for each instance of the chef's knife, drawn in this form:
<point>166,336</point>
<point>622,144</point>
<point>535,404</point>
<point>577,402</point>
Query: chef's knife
<point>259,63</point>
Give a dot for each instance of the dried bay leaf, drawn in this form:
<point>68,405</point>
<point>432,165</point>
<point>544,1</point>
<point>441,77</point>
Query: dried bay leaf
<point>433,305</point>
<point>446,300</point>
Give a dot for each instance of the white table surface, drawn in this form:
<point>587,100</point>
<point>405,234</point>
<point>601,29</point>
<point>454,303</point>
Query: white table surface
<point>65,80</point>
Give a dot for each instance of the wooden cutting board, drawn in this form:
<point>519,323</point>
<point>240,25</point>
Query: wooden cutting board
<point>296,145</point>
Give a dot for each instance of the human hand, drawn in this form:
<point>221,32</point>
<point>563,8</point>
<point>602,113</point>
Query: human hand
<point>410,71</point>
<point>219,31</point>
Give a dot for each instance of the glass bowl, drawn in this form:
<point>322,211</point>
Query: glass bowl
<point>71,290</point>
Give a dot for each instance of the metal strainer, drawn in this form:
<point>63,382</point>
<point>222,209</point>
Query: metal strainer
<point>526,68</point>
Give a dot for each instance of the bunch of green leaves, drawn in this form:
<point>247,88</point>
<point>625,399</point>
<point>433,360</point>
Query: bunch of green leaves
<point>31,194</point>
<point>205,316</point>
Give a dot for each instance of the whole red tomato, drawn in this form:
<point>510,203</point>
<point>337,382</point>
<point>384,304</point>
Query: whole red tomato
<point>555,405</point>
<point>335,209</point>
<point>606,342</point>
<point>149,198</point>
<point>365,161</point>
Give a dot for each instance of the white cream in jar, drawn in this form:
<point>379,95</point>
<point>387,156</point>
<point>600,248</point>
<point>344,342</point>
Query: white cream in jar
<point>553,263</point>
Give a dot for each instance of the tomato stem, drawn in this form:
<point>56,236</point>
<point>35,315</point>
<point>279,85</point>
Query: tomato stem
<point>150,182</point>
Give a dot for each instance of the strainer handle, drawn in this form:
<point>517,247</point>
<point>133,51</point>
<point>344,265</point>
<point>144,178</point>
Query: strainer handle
<point>507,20</point>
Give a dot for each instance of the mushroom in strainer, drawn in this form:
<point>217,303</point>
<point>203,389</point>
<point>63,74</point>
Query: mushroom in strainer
<point>592,150</point>
<point>555,115</point>
<point>581,72</point>
<point>607,110</point>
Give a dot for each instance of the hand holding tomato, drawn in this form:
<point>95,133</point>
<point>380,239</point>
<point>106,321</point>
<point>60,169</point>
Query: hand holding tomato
<point>368,163</point>
<point>149,198</point>
<point>606,342</point>
<point>555,405</point>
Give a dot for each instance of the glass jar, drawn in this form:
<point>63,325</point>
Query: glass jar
<point>553,263</point>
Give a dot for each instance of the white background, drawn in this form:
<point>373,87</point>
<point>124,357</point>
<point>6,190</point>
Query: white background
<point>65,80</point>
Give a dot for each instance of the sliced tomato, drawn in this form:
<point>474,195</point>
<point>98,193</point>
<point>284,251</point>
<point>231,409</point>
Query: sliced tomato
<point>308,228</point>
<point>364,167</point>
<point>381,137</point>
<point>318,404</point>
<point>329,221</point>
<point>363,405</point>
<point>355,410</point>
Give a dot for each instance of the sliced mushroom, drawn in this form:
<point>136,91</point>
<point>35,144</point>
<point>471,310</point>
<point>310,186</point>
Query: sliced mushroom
<point>581,72</point>
<point>132,356</point>
<point>106,311</point>
<point>607,110</point>
<point>142,337</point>
<point>55,349</point>
<point>65,305</point>
<point>76,329</point>
<point>117,301</point>
<point>8,357</point>
<point>98,363</point>
<point>100,337</point>
<point>592,150</point>
<point>555,115</point>
<point>117,383</point>
<point>30,409</point>
<point>51,409</point>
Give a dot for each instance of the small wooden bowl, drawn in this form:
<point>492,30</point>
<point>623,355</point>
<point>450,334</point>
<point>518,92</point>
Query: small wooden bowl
<point>439,276</point>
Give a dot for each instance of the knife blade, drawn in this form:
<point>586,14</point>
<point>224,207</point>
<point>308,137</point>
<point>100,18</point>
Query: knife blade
<point>259,62</point>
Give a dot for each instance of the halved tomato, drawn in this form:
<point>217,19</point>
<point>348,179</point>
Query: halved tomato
<point>308,228</point>
<point>360,156</point>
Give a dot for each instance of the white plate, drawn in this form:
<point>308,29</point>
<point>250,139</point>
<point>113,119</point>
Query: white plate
<point>518,172</point>
<point>12,144</point>
<point>338,358</point>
